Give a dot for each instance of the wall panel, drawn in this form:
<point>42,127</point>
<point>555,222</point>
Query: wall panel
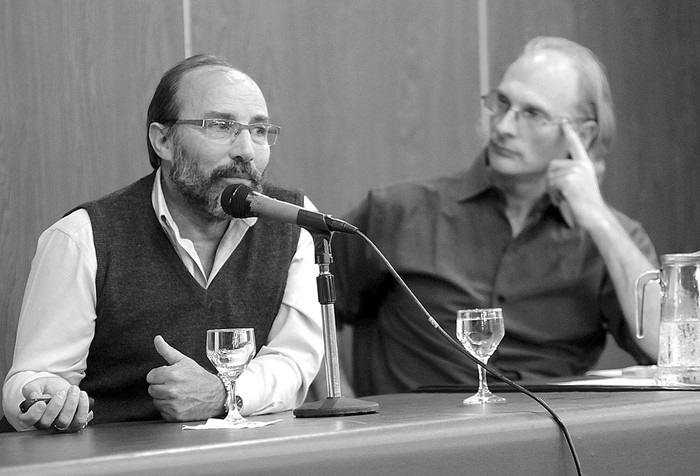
<point>75,82</point>
<point>366,92</point>
<point>511,24</point>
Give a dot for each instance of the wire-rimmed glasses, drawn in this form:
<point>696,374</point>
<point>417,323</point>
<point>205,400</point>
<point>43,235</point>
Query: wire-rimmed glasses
<point>226,131</point>
<point>498,105</point>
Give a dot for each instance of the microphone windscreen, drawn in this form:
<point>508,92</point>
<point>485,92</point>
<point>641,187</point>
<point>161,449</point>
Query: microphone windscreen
<point>234,200</point>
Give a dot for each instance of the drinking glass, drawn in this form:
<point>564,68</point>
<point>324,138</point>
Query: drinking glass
<point>231,350</point>
<point>480,331</point>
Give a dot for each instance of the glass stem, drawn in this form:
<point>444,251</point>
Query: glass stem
<point>233,413</point>
<point>483,386</point>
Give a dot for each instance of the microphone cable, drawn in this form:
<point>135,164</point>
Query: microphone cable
<point>462,350</point>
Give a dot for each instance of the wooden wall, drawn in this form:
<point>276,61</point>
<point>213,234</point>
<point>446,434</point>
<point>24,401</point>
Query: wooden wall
<point>75,81</point>
<point>366,93</point>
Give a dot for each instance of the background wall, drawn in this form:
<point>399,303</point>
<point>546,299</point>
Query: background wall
<point>366,93</point>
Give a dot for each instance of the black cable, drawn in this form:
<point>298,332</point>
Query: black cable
<point>461,349</point>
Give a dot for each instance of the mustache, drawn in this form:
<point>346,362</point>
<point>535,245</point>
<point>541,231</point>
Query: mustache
<point>237,170</point>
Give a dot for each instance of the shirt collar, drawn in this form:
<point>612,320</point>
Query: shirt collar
<point>185,248</point>
<point>476,180</point>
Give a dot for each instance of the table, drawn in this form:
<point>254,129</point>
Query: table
<point>629,432</point>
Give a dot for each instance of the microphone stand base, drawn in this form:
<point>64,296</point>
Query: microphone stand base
<point>335,406</point>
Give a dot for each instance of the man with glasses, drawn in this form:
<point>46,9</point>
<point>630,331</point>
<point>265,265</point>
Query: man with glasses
<point>524,229</point>
<point>123,289</point>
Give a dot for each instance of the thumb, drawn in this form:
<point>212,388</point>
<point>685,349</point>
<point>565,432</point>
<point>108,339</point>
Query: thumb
<point>168,352</point>
<point>32,389</point>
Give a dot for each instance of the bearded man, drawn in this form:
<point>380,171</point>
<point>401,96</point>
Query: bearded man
<point>123,289</point>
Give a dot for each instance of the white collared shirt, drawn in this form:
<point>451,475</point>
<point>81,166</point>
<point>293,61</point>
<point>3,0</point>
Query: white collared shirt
<point>57,320</point>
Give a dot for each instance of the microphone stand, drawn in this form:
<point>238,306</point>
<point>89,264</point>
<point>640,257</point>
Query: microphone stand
<point>334,404</point>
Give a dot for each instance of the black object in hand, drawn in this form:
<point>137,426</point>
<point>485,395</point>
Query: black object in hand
<point>25,405</point>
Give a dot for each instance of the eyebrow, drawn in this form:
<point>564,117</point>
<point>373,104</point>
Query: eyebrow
<point>225,115</point>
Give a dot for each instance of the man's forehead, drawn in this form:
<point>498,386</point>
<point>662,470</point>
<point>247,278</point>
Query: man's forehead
<point>542,65</point>
<point>213,71</point>
<point>546,75</point>
<point>218,83</point>
<point>207,77</point>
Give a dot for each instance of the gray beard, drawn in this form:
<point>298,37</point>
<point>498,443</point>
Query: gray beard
<point>202,192</point>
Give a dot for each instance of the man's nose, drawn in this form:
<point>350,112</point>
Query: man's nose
<point>508,122</point>
<point>242,147</point>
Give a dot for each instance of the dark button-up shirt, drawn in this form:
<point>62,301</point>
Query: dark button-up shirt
<point>451,242</point>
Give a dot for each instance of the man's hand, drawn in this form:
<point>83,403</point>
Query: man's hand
<point>183,390</point>
<point>67,411</point>
<point>574,183</point>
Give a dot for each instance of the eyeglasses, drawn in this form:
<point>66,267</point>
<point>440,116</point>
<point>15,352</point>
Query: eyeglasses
<point>498,105</point>
<point>225,131</point>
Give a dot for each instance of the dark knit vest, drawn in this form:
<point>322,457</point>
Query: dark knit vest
<point>144,289</point>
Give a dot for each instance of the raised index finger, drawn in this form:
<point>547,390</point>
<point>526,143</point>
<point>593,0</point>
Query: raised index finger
<point>576,147</point>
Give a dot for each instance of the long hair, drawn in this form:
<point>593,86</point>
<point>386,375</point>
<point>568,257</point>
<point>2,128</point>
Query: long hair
<point>164,105</point>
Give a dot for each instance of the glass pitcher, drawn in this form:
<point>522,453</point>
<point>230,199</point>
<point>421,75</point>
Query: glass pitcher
<point>679,340</point>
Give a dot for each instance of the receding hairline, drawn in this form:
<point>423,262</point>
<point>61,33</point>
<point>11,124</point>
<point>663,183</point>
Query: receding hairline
<point>188,79</point>
<point>547,54</point>
<point>212,68</point>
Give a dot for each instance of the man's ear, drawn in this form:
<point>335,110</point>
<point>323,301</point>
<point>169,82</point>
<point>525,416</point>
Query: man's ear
<point>161,140</point>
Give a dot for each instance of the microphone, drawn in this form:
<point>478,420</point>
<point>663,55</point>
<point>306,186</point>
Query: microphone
<point>240,201</point>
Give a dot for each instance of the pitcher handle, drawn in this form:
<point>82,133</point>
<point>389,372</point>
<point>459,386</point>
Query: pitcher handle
<point>639,289</point>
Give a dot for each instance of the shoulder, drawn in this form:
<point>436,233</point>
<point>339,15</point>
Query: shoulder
<point>136,192</point>
<point>413,195</point>
<point>72,232</point>
<point>75,225</point>
<point>397,205</point>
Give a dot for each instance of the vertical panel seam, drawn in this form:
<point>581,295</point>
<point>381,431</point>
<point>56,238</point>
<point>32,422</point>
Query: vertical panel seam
<point>484,80</point>
<point>187,27</point>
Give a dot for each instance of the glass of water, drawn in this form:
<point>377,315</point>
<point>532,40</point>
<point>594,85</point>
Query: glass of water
<point>231,350</point>
<point>480,331</point>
